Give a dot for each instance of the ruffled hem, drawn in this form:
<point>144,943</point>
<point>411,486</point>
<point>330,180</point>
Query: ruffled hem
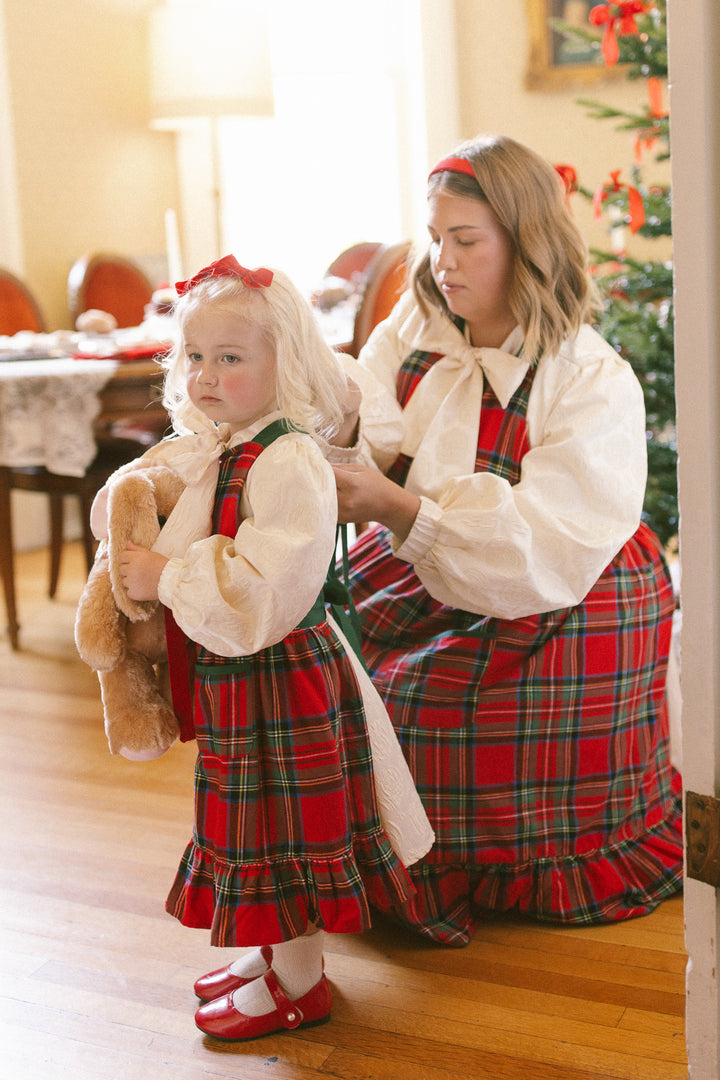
<point>263,904</point>
<point>620,882</point>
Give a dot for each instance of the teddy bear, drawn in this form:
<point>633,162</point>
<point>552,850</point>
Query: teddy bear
<point>123,639</point>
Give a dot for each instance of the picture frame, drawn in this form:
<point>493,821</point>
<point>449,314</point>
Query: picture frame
<point>554,62</point>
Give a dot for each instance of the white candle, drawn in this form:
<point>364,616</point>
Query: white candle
<point>172,247</point>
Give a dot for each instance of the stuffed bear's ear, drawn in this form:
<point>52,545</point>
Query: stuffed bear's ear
<point>132,516</point>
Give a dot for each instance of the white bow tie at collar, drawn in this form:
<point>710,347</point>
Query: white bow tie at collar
<point>442,416</point>
<point>190,455</point>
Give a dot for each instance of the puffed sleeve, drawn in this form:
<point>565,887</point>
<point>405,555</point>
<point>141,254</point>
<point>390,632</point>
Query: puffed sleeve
<point>511,551</point>
<point>235,595</point>
<point>381,427</point>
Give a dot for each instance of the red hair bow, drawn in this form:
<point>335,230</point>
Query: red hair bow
<point>227,267</point>
<point>624,20</point>
<point>636,206</point>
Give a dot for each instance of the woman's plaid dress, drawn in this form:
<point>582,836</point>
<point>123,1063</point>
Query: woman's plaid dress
<point>286,822</point>
<point>539,746</point>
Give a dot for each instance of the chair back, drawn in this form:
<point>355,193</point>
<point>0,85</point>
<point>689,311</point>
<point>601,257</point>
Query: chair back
<point>18,308</point>
<point>353,261</point>
<point>386,280</point>
<point>111,283</point>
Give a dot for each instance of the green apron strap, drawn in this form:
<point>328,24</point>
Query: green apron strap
<point>336,594</point>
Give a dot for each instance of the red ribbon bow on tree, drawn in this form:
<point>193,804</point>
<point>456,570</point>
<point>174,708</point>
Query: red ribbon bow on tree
<point>646,139</point>
<point>622,22</point>
<point>228,266</point>
<point>636,208</point>
<point>569,180</point>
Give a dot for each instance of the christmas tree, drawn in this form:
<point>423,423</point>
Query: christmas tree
<point>638,303</point>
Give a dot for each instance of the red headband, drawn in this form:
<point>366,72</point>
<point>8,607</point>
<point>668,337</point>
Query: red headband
<point>454,164</point>
<point>227,267</point>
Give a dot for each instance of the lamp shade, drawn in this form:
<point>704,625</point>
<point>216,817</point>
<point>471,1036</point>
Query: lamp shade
<point>209,60</point>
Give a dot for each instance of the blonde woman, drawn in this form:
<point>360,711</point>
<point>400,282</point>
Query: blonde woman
<point>516,611</point>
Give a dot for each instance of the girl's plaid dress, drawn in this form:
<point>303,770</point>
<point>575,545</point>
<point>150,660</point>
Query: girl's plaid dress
<point>539,746</point>
<point>286,822</point>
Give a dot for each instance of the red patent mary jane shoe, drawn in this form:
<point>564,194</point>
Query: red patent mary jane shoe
<point>222,1020</point>
<point>221,982</point>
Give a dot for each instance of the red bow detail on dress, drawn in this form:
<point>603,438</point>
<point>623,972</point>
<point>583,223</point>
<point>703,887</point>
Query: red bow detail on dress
<point>624,20</point>
<point>227,267</point>
<point>636,208</point>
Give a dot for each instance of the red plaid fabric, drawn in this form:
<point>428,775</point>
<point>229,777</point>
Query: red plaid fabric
<point>539,746</point>
<point>286,822</point>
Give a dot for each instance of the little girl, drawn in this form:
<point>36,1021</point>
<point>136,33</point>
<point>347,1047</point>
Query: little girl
<point>288,841</point>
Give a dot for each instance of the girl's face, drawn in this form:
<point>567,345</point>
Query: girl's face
<point>231,367</point>
<point>471,260</point>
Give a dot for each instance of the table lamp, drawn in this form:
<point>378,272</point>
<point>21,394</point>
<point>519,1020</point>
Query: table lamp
<point>209,59</point>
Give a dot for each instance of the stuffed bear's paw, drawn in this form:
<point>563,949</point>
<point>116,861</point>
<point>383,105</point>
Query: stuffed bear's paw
<point>144,734</point>
<point>139,721</point>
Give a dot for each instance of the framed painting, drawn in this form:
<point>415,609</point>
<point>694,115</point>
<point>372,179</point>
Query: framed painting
<point>554,60</point>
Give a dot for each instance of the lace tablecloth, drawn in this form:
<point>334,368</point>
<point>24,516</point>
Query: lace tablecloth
<point>47,409</point>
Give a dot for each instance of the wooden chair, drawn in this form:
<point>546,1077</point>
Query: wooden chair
<point>353,261</point>
<point>111,283</point>
<point>19,309</point>
<point>386,280</point>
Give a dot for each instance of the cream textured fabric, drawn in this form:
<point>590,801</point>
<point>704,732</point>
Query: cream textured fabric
<point>478,543</point>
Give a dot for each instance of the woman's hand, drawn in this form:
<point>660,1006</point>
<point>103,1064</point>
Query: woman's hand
<point>140,570</point>
<point>364,494</point>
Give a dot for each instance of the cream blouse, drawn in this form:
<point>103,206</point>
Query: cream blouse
<point>236,595</point>
<point>479,543</point>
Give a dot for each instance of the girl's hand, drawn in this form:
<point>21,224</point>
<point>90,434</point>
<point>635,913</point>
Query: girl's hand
<point>140,571</point>
<point>364,494</point>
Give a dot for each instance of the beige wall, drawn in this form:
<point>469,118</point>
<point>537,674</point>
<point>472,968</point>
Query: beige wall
<point>90,175</point>
<point>493,50</point>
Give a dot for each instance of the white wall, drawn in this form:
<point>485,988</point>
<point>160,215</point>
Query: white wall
<point>695,128</point>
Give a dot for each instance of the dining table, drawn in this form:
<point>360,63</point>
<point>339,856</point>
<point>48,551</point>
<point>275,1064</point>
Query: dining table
<point>64,395</point>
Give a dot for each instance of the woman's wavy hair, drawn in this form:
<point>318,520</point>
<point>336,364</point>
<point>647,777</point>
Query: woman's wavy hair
<point>310,382</point>
<point>551,294</point>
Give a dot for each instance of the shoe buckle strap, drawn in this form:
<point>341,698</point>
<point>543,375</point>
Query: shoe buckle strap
<point>289,1013</point>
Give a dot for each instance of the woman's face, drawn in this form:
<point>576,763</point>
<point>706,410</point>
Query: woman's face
<point>471,259</point>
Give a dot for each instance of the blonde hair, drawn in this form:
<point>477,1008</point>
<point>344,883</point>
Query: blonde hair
<point>551,294</point>
<point>310,382</point>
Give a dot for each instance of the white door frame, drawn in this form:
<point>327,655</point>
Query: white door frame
<point>694,37</point>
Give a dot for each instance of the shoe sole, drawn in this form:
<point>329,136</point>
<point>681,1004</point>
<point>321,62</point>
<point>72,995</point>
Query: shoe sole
<point>266,1034</point>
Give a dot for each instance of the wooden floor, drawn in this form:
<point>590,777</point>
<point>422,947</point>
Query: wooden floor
<point>97,980</point>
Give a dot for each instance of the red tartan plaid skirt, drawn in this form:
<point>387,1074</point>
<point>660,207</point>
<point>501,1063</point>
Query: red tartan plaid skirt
<point>538,746</point>
<point>286,821</point>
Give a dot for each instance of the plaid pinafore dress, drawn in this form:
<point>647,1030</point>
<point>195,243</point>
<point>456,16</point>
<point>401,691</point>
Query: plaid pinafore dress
<point>286,820</point>
<point>538,746</point>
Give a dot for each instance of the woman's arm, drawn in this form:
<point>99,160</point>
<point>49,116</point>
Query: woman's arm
<point>510,551</point>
